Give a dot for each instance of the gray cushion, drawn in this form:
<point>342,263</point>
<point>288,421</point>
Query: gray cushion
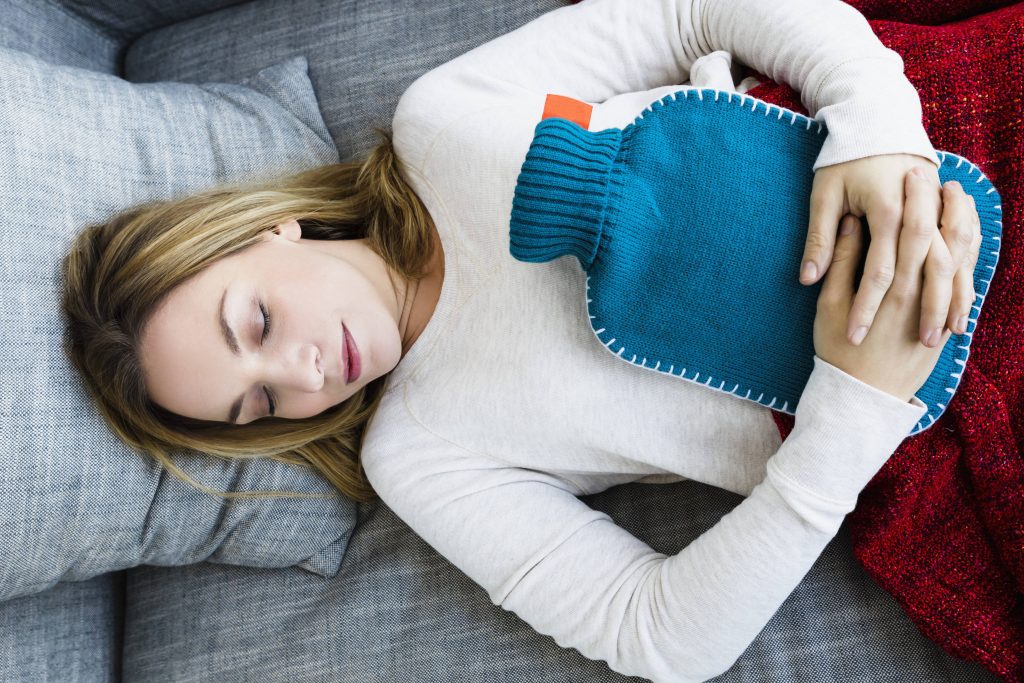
<point>74,501</point>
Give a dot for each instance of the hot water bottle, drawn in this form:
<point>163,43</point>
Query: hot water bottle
<point>690,223</point>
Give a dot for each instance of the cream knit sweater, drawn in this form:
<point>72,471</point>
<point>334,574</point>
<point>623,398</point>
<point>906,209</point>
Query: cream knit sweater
<point>507,407</point>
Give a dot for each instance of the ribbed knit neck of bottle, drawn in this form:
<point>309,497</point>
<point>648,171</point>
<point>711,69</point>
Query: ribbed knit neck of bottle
<point>562,192</point>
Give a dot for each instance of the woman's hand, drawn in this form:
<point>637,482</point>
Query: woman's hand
<point>891,358</point>
<point>937,227</point>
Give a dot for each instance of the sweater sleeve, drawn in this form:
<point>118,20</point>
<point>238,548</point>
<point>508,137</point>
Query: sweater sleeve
<point>597,49</point>
<point>573,574</point>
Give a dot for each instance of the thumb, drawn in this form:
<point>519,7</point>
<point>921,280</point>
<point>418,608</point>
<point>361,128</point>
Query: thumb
<point>827,209</point>
<point>841,280</point>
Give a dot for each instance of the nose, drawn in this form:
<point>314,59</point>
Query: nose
<point>300,370</point>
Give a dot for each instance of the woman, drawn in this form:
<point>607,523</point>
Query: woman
<point>375,327</point>
<point>141,290</point>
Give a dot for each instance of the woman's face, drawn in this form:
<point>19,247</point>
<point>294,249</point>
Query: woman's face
<point>308,288</point>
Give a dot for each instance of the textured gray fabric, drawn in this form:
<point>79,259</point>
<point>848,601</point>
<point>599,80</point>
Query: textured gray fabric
<point>127,19</point>
<point>397,613</point>
<point>49,31</point>
<point>74,501</point>
<point>72,632</point>
<point>362,55</point>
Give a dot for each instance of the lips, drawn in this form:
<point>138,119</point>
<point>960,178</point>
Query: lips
<point>351,357</point>
<point>344,352</point>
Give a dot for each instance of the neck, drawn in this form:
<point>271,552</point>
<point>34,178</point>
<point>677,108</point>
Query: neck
<point>406,326</point>
<point>421,297</point>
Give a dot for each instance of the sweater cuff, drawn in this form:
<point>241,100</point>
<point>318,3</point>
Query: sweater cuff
<point>562,192</point>
<point>875,112</point>
<point>845,430</point>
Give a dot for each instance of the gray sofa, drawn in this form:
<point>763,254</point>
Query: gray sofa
<point>112,570</point>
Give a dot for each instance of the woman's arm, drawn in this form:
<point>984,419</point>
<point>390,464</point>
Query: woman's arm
<point>826,51</point>
<point>598,49</point>
<point>571,573</point>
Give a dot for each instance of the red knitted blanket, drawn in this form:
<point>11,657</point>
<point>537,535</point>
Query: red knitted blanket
<point>941,526</point>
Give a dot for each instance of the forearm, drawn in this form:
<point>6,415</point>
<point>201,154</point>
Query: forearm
<point>826,50</point>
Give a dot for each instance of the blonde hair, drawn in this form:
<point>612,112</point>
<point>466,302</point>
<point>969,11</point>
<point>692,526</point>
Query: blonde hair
<point>117,273</point>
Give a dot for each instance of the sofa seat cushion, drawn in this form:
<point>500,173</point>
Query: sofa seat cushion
<point>400,612</point>
<point>71,632</point>
<point>127,19</point>
<point>362,55</point>
<point>51,32</point>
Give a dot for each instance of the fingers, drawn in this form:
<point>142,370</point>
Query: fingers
<point>840,281</point>
<point>923,208</point>
<point>826,210</point>
<point>879,268</point>
<point>914,253</point>
<point>961,231</point>
<point>939,270</point>
<point>964,282</point>
<point>949,290</point>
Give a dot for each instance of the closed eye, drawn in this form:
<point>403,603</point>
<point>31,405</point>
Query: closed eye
<point>266,322</point>
<point>263,338</point>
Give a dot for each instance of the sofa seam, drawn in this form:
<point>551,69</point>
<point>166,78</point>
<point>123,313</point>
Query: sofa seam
<point>103,32</point>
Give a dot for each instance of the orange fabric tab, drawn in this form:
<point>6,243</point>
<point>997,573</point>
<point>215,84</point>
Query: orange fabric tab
<point>560,106</point>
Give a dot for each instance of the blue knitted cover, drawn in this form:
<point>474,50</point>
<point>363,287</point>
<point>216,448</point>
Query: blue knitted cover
<point>690,223</point>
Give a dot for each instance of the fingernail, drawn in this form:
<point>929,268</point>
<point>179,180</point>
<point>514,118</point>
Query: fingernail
<point>961,324</point>
<point>919,172</point>
<point>858,335</point>
<point>933,338</point>
<point>809,272</point>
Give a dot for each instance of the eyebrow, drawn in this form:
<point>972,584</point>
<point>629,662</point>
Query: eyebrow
<point>232,342</point>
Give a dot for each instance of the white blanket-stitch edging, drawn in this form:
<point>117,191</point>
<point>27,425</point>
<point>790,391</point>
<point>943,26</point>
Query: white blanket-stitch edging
<point>960,359</point>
